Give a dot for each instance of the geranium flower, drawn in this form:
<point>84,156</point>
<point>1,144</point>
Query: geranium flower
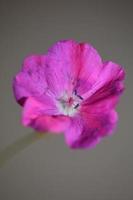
<point>70,90</point>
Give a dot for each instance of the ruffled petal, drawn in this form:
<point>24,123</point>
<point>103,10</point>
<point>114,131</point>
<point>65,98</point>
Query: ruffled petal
<point>31,80</point>
<point>43,117</point>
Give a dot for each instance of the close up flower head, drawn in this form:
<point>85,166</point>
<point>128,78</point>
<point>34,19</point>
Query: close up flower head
<point>70,90</point>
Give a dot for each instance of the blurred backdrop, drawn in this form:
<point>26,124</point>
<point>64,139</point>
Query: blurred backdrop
<point>44,168</point>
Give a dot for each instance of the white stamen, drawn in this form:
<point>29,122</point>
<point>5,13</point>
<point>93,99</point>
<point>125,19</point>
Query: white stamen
<point>69,105</point>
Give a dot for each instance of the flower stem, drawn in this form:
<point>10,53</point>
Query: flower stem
<point>19,145</point>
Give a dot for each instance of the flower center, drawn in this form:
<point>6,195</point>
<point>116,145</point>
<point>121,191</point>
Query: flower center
<point>69,104</point>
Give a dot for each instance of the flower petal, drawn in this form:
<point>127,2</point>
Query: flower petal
<point>87,130</point>
<point>55,124</point>
<point>60,63</point>
<point>41,117</point>
<point>90,68</point>
<point>79,135</point>
<point>70,66</point>
<point>31,80</point>
<point>109,83</point>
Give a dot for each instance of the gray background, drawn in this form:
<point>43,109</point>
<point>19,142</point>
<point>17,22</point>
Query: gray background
<point>47,169</point>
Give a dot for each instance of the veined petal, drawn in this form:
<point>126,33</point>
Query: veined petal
<point>102,116</point>
<point>109,83</point>
<point>62,64</point>
<point>88,129</point>
<point>79,135</point>
<point>90,68</point>
<point>70,66</point>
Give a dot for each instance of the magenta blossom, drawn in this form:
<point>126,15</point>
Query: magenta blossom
<point>70,90</point>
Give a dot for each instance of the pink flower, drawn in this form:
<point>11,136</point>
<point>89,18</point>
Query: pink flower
<point>70,90</point>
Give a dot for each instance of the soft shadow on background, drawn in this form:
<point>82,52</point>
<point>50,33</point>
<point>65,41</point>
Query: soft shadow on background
<point>47,169</point>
